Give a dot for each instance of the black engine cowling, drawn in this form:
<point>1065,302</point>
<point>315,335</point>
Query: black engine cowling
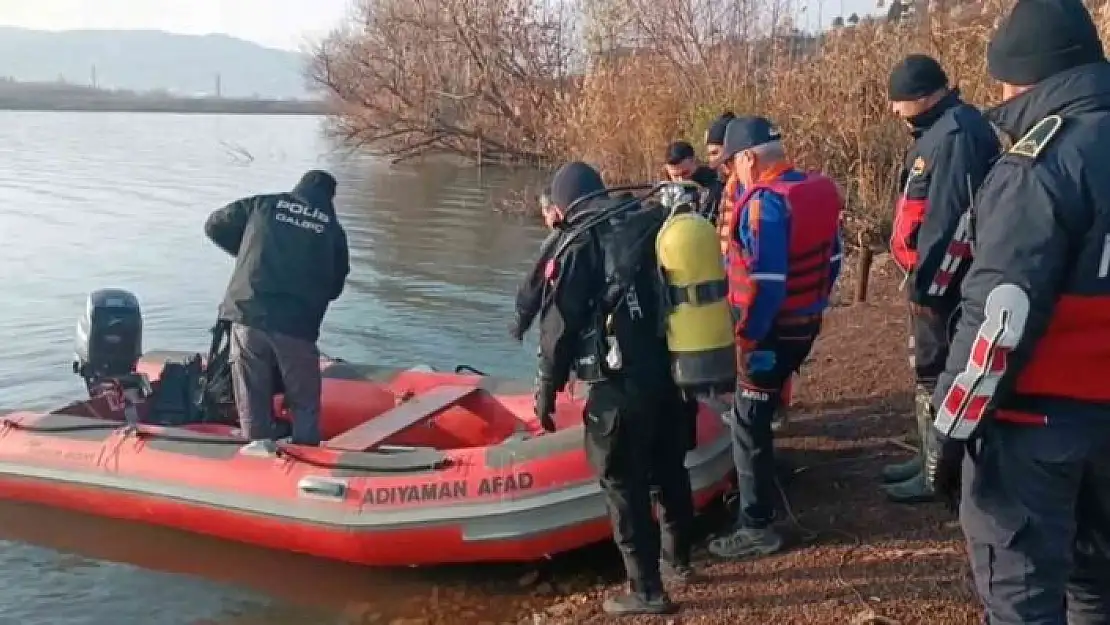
<point>109,335</point>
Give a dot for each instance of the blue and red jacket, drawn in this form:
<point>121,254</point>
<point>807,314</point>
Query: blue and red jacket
<point>784,255</point>
<point>954,147</point>
<point>1033,343</point>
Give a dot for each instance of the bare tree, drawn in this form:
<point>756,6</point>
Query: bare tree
<point>479,78</point>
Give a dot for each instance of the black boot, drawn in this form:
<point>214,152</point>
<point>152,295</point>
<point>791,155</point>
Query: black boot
<point>640,599</point>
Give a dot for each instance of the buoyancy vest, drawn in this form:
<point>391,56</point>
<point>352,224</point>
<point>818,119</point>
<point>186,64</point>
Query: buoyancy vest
<point>726,216</point>
<point>909,213</point>
<point>813,204</point>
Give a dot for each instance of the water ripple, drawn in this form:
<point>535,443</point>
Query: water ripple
<point>107,200</point>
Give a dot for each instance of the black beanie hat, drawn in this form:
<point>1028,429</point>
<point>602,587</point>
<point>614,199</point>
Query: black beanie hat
<point>1040,38</point>
<point>316,181</point>
<point>716,133</point>
<point>572,181</point>
<point>915,77</point>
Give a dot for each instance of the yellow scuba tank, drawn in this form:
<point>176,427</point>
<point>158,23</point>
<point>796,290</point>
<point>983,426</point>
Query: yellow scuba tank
<point>698,318</point>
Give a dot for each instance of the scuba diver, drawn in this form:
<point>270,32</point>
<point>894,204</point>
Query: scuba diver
<point>607,316</point>
<point>529,295</point>
<point>291,262</point>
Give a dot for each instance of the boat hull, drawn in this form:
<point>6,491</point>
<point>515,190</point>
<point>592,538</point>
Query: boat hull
<point>528,497</point>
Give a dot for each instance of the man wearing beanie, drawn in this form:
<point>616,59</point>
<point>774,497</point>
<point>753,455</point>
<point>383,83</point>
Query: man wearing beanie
<point>954,146</point>
<point>291,262</point>
<point>715,136</point>
<point>601,322</point>
<point>1026,385</point>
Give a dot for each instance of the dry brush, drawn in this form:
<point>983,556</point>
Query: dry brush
<point>612,81</point>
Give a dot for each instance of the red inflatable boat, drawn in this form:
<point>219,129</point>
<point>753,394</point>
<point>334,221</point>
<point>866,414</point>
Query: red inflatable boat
<point>418,467</point>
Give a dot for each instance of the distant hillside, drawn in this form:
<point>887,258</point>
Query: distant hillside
<point>142,60</point>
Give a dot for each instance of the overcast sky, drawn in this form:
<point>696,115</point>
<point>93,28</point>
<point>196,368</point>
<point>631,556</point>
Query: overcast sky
<point>275,23</point>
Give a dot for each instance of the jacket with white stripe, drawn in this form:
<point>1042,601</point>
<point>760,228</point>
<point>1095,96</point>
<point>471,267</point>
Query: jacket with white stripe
<point>953,150</point>
<point>1033,342</point>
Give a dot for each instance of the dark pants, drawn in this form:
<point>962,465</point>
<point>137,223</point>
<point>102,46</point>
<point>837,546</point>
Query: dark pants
<point>1036,514</point>
<point>256,356</point>
<point>930,336</point>
<point>758,395</point>
<point>637,439</point>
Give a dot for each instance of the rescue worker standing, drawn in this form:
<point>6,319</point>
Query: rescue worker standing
<point>681,164</point>
<point>291,261</point>
<point>603,286</point>
<point>715,139</point>
<point>1026,382</point>
<point>783,259</point>
<point>954,146</point>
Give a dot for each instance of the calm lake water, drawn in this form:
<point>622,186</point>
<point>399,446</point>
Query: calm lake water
<point>119,200</point>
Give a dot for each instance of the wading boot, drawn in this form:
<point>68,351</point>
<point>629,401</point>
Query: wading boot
<point>918,489</point>
<point>639,599</point>
<point>903,471</point>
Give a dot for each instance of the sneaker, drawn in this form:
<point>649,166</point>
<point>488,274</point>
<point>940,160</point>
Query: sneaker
<point>682,574</point>
<point>259,448</point>
<point>746,543</point>
<point>631,603</point>
<point>780,419</point>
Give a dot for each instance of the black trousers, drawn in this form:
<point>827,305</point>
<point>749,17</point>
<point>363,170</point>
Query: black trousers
<point>636,440</point>
<point>930,337</point>
<point>254,357</point>
<point>1036,514</point>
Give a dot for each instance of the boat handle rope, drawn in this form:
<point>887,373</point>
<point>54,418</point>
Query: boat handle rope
<point>468,368</point>
<point>283,451</point>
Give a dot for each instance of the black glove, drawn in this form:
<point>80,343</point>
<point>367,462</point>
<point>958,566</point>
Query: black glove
<point>947,470</point>
<point>545,403</point>
<point>516,329</point>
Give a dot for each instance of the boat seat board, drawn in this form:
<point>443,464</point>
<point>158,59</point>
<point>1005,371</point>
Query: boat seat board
<point>373,432</point>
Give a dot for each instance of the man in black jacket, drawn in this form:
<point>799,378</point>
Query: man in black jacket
<point>1026,382</point>
<point>291,262</point>
<point>954,147</point>
<point>681,164</point>
<point>715,138</point>
<point>604,323</point>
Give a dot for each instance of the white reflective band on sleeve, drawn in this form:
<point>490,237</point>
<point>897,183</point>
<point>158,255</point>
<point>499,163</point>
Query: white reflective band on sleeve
<point>769,277</point>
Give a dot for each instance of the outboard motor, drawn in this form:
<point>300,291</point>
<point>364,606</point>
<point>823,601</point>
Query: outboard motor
<point>108,348</point>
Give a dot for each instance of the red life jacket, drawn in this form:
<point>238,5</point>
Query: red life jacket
<point>814,206</point>
<point>726,218</point>
<point>909,213</point>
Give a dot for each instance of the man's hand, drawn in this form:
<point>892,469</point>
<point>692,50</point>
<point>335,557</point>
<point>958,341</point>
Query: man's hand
<point>946,475</point>
<point>544,403</point>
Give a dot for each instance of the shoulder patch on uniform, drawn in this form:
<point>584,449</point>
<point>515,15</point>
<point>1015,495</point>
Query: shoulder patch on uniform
<point>918,167</point>
<point>1034,142</point>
